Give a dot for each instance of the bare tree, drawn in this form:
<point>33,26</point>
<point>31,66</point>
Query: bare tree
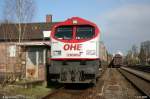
<point>142,55</point>
<point>132,56</point>
<point>145,52</point>
<point>18,12</point>
<point>135,51</point>
<point>128,57</point>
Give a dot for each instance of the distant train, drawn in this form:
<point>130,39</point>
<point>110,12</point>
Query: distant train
<point>117,61</point>
<point>75,51</point>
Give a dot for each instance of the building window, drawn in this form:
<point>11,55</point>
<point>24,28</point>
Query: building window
<point>35,56</point>
<point>32,58</point>
<point>41,60</point>
<point>12,51</point>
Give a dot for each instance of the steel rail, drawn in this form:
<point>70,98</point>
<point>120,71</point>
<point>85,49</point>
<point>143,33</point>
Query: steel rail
<point>139,82</point>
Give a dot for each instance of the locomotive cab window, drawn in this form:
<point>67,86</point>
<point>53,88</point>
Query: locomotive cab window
<point>85,32</point>
<point>64,32</point>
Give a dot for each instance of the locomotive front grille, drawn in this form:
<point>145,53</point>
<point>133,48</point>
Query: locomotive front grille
<point>68,76</point>
<point>63,76</point>
<point>75,76</point>
<point>84,76</point>
<point>89,76</point>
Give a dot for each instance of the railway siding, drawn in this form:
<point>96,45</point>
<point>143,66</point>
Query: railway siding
<point>140,79</point>
<point>117,87</point>
<point>141,74</point>
<point>111,85</point>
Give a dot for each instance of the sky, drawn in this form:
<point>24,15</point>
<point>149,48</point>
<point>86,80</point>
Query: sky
<point>122,23</point>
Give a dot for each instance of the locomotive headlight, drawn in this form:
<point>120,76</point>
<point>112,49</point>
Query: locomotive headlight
<point>90,52</point>
<point>57,53</point>
<point>74,21</point>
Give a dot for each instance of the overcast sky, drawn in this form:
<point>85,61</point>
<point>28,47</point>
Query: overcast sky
<point>125,26</point>
<point>122,22</point>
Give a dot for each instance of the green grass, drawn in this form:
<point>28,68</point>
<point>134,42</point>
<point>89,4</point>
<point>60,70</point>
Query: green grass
<point>36,92</point>
<point>33,93</point>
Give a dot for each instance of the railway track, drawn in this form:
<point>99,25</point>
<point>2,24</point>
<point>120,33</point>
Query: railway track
<point>139,77</point>
<point>53,93</point>
<point>141,68</point>
<point>111,85</point>
<point>76,91</point>
<point>86,92</point>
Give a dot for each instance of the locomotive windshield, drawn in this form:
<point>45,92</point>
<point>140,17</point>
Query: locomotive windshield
<point>82,32</point>
<point>85,32</point>
<point>64,32</point>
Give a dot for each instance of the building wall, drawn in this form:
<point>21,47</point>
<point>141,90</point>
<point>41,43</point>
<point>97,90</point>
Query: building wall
<point>10,67</point>
<point>2,58</point>
<point>103,52</point>
<point>29,64</point>
<point>8,57</point>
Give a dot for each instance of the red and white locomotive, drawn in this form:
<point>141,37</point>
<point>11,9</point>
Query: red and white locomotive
<point>75,51</point>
